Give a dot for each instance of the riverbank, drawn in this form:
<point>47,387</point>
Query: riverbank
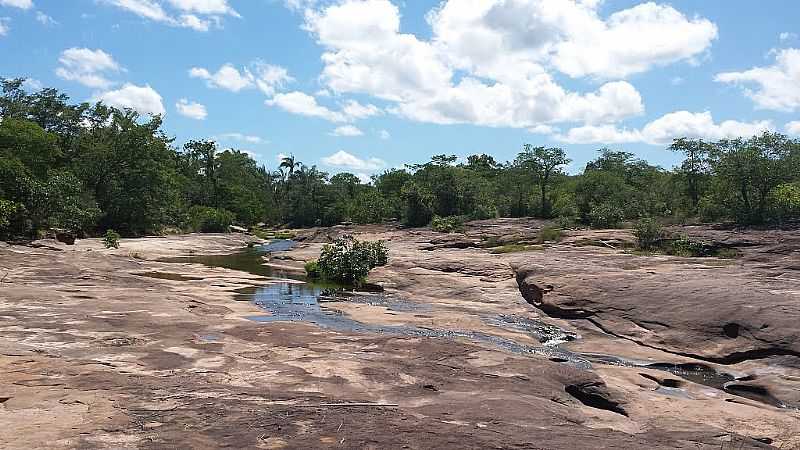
<point>99,348</point>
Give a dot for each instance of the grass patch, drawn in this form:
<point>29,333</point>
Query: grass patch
<point>550,234</point>
<point>451,224</point>
<point>273,234</point>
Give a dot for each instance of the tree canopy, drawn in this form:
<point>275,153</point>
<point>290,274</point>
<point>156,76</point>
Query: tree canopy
<point>90,167</point>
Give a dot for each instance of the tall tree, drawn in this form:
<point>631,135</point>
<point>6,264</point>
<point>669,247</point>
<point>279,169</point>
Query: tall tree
<point>695,166</point>
<point>544,163</point>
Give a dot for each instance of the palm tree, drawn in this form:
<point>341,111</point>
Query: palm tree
<point>289,163</point>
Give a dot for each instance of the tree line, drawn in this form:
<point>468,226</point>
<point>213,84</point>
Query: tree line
<point>87,168</point>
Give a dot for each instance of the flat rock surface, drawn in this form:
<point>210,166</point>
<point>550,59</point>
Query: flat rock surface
<point>119,349</point>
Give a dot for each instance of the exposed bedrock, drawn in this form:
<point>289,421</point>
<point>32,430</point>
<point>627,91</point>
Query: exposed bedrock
<point>719,315</point>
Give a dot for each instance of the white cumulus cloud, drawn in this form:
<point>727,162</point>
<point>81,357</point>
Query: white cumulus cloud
<point>23,4</point>
<point>241,137</point>
<point>793,128</point>
<point>347,130</point>
<point>198,15</point>
<point>775,87</point>
<point>384,135</point>
<point>500,36</point>
<point>503,63</point>
<point>88,67</point>
<point>300,103</point>
<point>219,7</point>
<point>192,110</point>
<point>4,25</point>
<point>666,128</point>
<point>345,160</point>
<point>266,77</point>
<point>143,99</point>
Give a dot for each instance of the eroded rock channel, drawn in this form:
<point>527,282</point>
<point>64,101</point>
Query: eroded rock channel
<point>289,296</point>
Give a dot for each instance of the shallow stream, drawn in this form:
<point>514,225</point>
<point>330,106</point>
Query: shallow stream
<point>289,296</point>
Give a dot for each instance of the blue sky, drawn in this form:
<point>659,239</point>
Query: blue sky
<point>363,85</point>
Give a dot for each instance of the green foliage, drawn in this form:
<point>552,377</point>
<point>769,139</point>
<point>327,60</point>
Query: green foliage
<point>683,246</point>
<point>83,167</point>
<point>544,165</point>
<point>550,234</point>
<point>369,206</point>
<point>111,239</point>
<point>606,215</point>
<point>648,233</point>
<point>210,220</point>
<point>786,201</point>
<point>452,224</point>
<point>710,210</point>
<point>566,222</point>
<point>348,260</point>
<point>376,251</point>
<point>7,211</point>
<point>312,269</point>
<point>417,205</point>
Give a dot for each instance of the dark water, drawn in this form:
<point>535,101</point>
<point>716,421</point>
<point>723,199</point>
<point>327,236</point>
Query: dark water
<point>293,298</point>
<point>250,260</point>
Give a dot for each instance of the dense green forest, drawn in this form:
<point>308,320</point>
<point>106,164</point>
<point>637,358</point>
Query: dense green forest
<point>86,168</point>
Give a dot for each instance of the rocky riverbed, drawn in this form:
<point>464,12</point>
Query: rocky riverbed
<point>575,344</point>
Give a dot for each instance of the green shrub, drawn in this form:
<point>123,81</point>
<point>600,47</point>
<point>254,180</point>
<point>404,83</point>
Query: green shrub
<point>605,215</point>
<point>451,224</point>
<point>348,260</point>
<point>312,269</point>
<point>684,246</point>
<point>377,251</point>
<point>648,233</point>
<point>111,239</point>
<point>550,234</point>
<point>210,220</point>
<point>7,211</point>
<point>710,210</point>
<point>567,222</point>
<point>786,201</point>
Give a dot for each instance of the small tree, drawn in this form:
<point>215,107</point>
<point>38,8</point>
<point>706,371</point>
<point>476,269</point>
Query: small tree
<point>648,233</point>
<point>348,260</point>
<point>111,239</point>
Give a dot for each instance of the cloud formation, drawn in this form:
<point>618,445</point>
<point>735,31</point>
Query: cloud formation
<point>347,131</point>
<point>303,104</point>
<point>266,77</point>
<point>345,160</point>
<point>775,87</point>
<point>22,4</point>
<point>143,99</point>
<point>793,128</point>
<point>664,129</point>
<point>490,62</point>
<point>192,110</point>
<point>87,67</point>
<point>198,15</point>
